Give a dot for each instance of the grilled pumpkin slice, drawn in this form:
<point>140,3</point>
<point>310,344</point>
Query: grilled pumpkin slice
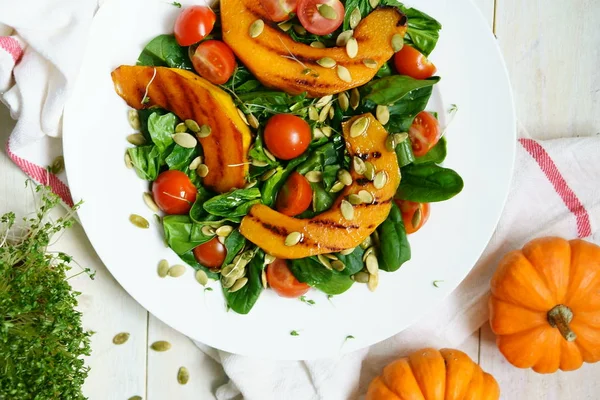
<point>191,97</point>
<point>330,231</point>
<point>280,62</point>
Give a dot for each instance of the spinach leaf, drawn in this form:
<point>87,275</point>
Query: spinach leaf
<point>164,51</point>
<point>234,243</point>
<point>258,151</point>
<point>322,200</point>
<point>330,175</point>
<point>425,183</point>
<point>144,114</point>
<point>308,38</point>
<point>236,203</point>
<point>320,157</point>
<point>161,129</point>
<point>242,81</point>
<point>197,212</point>
<point>181,234</point>
<point>352,261</point>
<point>436,155</point>
<point>146,160</point>
<point>189,259</point>
<point>394,249</point>
<point>423,31</point>
<point>404,153</point>
<point>385,70</point>
<point>264,103</point>
<point>274,183</point>
<point>404,111</point>
<point>310,271</point>
<point>244,299</point>
<point>393,88</point>
<point>180,158</point>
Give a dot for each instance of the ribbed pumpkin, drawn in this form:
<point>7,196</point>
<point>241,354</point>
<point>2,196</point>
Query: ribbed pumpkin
<point>429,374</point>
<point>545,305</point>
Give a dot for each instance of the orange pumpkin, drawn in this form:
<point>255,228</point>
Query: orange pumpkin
<point>545,305</point>
<point>429,374</point>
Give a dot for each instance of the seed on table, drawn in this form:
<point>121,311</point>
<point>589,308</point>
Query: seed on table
<point>359,126</point>
<point>326,62</point>
<point>373,282</point>
<point>338,265</point>
<point>224,230</point>
<point>323,101</point>
<point>163,268</point>
<point>354,98</point>
<point>149,200</point>
<point>354,199</point>
<point>344,177</point>
<point>185,140</point>
<point>380,179</point>
<point>176,271</point>
<point>314,176</point>
<point>181,127</point>
<point>256,28</point>
<point>204,131</point>
<point>347,210</point>
<point>293,239</point>
<point>240,283</point>
<point>136,139</point>
<point>355,18</point>
<point>202,170</point>
<point>383,114</point>
<point>397,42</point>
<point>365,196</point>
<point>201,277</point>
<point>183,375</point>
<point>161,345</point>
<point>359,165</point>
<point>343,38</point>
<point>343,101</point>
<point>120,338</point>
<point>317,45</point>
<point>195,163</point>
<point>325,261</point>
<point>192,125</point>
<point>372,264</point>
<point>134,119</point>
<point>139,221</point>
<point>369,171</point>
<point>343,73</point>
<point>361,277</point>
<point>352,47</point>
<point>337,186</point>
<point>128,162</point>
<point>370,63</point>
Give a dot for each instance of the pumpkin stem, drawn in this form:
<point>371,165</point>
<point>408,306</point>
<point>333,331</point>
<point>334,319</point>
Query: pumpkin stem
<point>560,317</point>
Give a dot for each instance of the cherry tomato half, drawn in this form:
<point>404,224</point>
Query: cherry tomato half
<point>409,61</point>
<point>414,214</point>
<point>424,133</point>
<point>287,136</point>
<point>174,192</point>
<point>193,24</point>
<point>283,282</point>
<point>214,61</point>
<point>295,196</point>
<point>210,254</point>
<point>314,22</point>
<point>279,10</point>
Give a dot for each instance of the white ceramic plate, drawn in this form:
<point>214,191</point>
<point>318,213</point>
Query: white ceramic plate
<point>481,143</point>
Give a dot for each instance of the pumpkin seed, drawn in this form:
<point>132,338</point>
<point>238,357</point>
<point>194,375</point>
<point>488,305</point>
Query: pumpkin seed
<point>375,238</point>
<point>373,282</point>
<point>207,231</point>
<point>326,62</point>
<point>256,28</point>
<point>227,282</point>
<point>299,29</point>
<point>326,129</point>
<point>400,137</point>
<point>324,112</point>
<point>242,116</point>
<point>383,114</point>
<point>314,176</point>
<point>368,242</point>
<point>58,165</point>
<point>149,200</point>
<point>128,162</point>
<point>195,163</point>
<point>180,127</point>
<point>365,196</point>
<point>285,25</point>
<point>343,73</point>
<point>263,278</point>
<point>136,139</point>
<point>250,184</point>
<point>163,268</point>
<point>227,270</point>
<point>268,175</point>
<point>397,42</point>
<point>331,112</point>
<point>372,264</point>
<point>325,261</point>
<point>221,239</point>
<point>183,375</point>
<point>269,259</point>
<point>134,119</point>
<point>176,271</point>
<point>135,398</point>
<point>161,345</point>
<point>185,140</point>
<point>317,45</point>
<point>293,239</point>
<point>313,114</point>
<point>417,216</point>
<point>338,265</point>
<point>306,71</point>
<point>331,256</point>
<point>390,143</point>
<point>121,338</point>
<point>201,277</point>
<point>347,210</point>
<point>344,177</point>
<point>323,101</point>
<point>259,163</point>
<point>269,155</point>
<point>369,171</point>
<point>361,277</point>
<point>204,132</point>
<point>370,63</point>
<point>343,101</point>
<point>253,121</point>
<point>191,125</point>
<point>327,11</point>
<point>202,170</point>
<point>359,126</point>
<point>354,98</point>
<point>347,251</point>
<point>355,18</point>
<point>139,221</point>
<point>343,38</point>
<point>354,199</point>
<point>240,283</point>
<point>317,133</point>
<point>374,3</point>
<point>367,252</point>
<point>337,186</point>
<point>359,165</point>
<point>352,47</point>
<point>224,230</point>
<point>380,179</point>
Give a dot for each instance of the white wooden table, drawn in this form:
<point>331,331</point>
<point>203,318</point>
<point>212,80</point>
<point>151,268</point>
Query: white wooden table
<point>552,49</point>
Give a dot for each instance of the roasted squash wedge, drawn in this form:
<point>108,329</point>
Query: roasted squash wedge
<point>280,62</point>
<point>330,231</point>
<point>192,97</point>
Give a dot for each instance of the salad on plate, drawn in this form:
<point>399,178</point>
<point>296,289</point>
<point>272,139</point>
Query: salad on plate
<point>286,143</point>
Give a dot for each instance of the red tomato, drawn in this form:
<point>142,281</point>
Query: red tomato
<point>193,24</point>
<point>282,281</point>
<point>214,61</point>
<point>295,196</point>
<point>414,214</point>
<point>210,254</point>
<point>409,61</point>
<point>287,136</point>
<point>424,133</point>
<point>314,22</point>
<point>279,10</point>
<point>174,192</point>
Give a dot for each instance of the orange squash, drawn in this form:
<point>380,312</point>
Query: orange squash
<point>329,231</point>
<point>429,374</point>
<point>279,62</point>
<point>545,305</point>
<point>192,97</point>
